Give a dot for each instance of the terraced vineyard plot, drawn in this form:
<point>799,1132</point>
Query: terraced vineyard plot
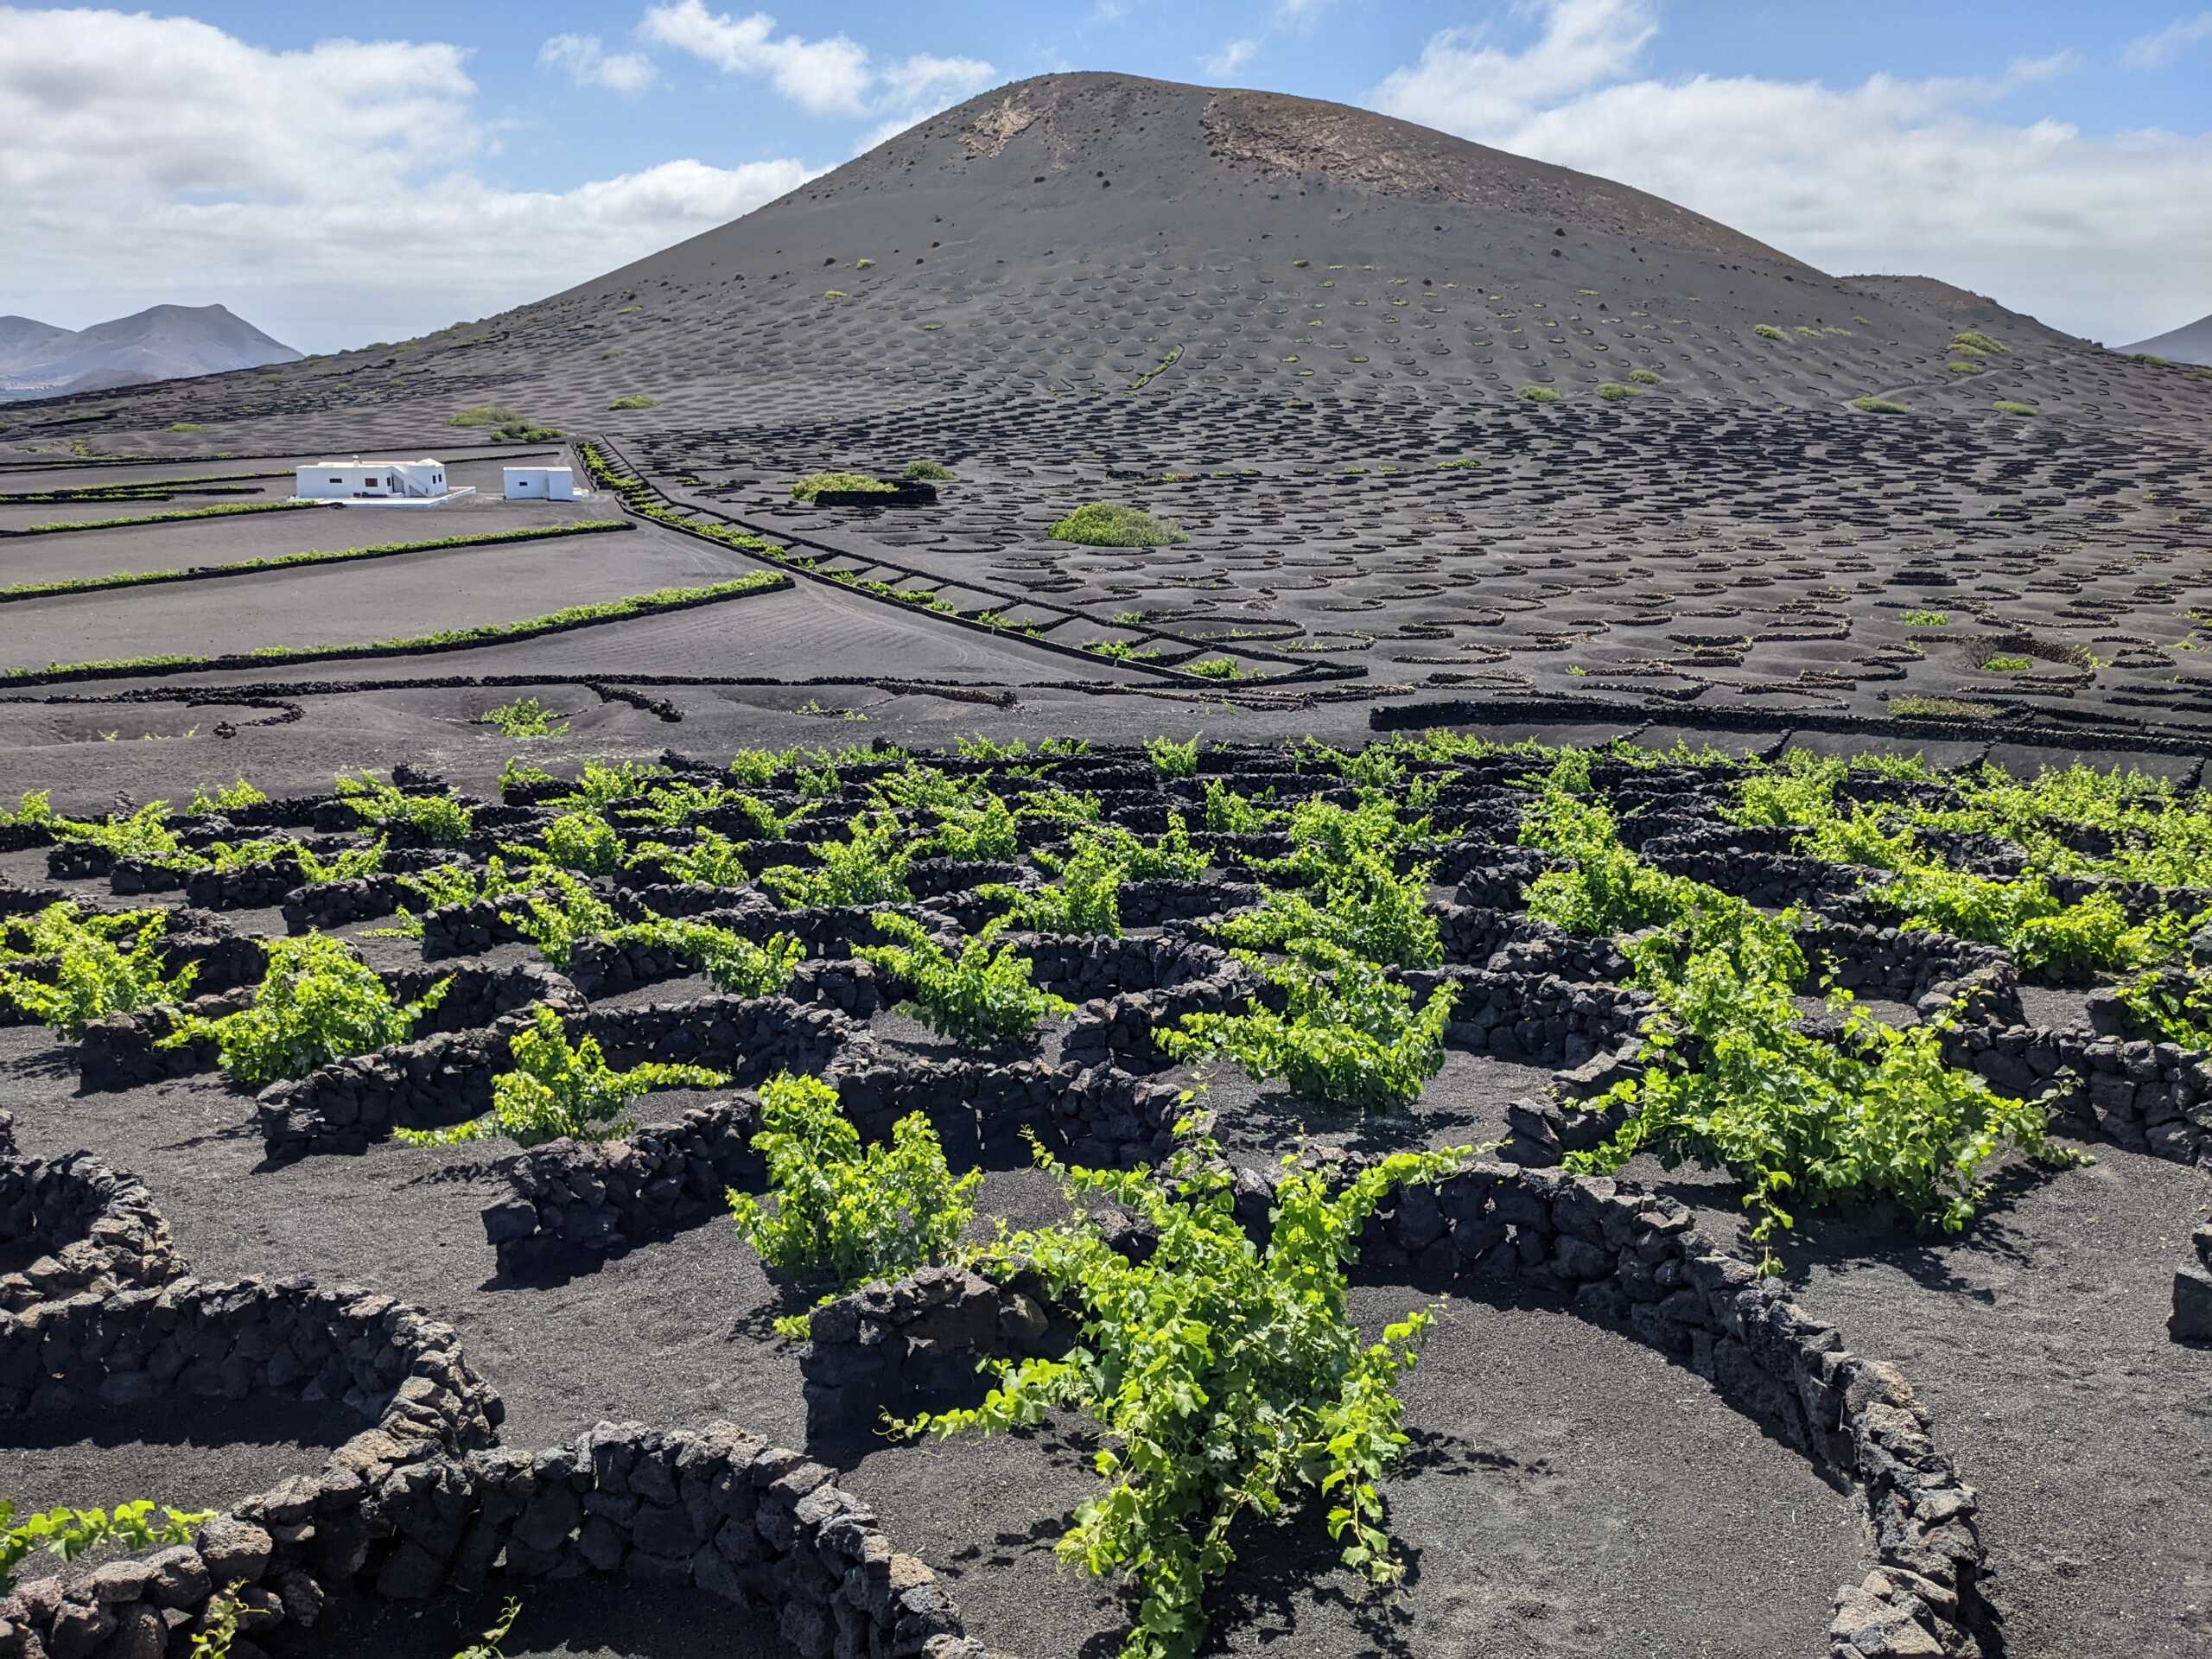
<point>1517,945</point>
<point>359,602</point>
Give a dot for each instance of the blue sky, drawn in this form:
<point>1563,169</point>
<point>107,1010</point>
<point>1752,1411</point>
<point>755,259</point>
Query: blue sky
<point>2058,157</point>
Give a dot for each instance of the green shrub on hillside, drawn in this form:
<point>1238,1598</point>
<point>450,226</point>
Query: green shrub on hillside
<point>1100,525</point>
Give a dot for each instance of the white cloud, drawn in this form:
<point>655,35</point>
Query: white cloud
<point>836,76</point>
<point>590,64</point>
<point>1584,42</point>
<point>827,77</point>
<point>1292,16</point>
<point>1231,57</point>
<point>925,79</point>
<point>2149,51</point>
<point>2103,235</point>
<point>325,194</point>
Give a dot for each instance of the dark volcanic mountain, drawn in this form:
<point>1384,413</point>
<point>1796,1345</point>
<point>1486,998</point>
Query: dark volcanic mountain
<point>164,342</point>
<point>1079,235</point>
<point>2190,343</point>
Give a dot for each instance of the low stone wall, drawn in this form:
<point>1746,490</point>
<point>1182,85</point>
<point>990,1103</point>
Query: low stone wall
<point>1120,1028</point>
<point>1162,900</point>
<point>1479,936</point>
<point>387,1363</point>
<point>1083,966</point>
<point>2192,1321</point>
<point>576,1202</point>
<point>377,1359</point>
<point>95,1228</point>
<point>602,967</point>
<point>928,877</point>
<point>751,1038</point>
<point>914,1346</point>
<point>470,929</point>
<point>716,1509</point>
<point>431,1082</point>
<point>2153,1098</point>
<point>1917,965</point>
<point>224,960</point>
<point>1531,1019</point>
<point>1492,875</point>
<point>340,904</point>
<point>573,1203</point>
<point>1620,1258</point>
<point>1769,880</point>
<point>125,1050</point>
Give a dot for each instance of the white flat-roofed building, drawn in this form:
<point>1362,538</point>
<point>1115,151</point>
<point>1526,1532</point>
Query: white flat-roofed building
<point>419,481</point>
<point>540,483</point>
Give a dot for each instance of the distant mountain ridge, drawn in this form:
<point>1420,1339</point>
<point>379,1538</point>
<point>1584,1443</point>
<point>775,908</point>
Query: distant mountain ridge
<point>164,342</point>
<point>2190,343</point>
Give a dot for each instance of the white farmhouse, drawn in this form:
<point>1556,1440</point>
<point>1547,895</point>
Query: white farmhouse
<point>357,479</point>
<point>540,483</point>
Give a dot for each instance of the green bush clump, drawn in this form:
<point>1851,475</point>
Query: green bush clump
<point>556,1091</point>
<point>1919,707</point>
<point>710,859</point>
<point>1613,392</point>
<point>633,400</point>
<point>142,837</point>
<point>69,1533</point>
<point>2176,1005</point>
<point>1872,405</point>
<point>1541,395</point>
<point>1216,668</point>
<point>1643,376</point>
<point>847,1214</point>
<point>1732,1080</point>
<point>1350,1036</point>
<point>1972,340</point>
<point>523,718</point>
<point>735,963</point>
<point>2005,406</point>
<point>980,831</point>
<point>509,425</point>
<point>2044,935</point>
<point>928,472</point>
<point>318,1003</point>
<point>806,488</point>
<point>1366,909</point>
<point>551,907</point>
<point>982,998</point>
<point>1099,525</point>
<point>1228,1378</point>
<point>439,819</point>
<point>1768,331</point>
<point>867,868</point>
<point>1927,620</point>
<point>2003,664</point>
<point>1168,857</point>
<point>1086,900</point>
<point>101,964</point>
<point>228,797</point>
<point>1173,759</point>
<point>583,841</point>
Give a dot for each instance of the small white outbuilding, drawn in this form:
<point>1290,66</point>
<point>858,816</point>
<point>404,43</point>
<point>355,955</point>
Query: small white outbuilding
<point>371,480</point>
<point>540,483</point>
